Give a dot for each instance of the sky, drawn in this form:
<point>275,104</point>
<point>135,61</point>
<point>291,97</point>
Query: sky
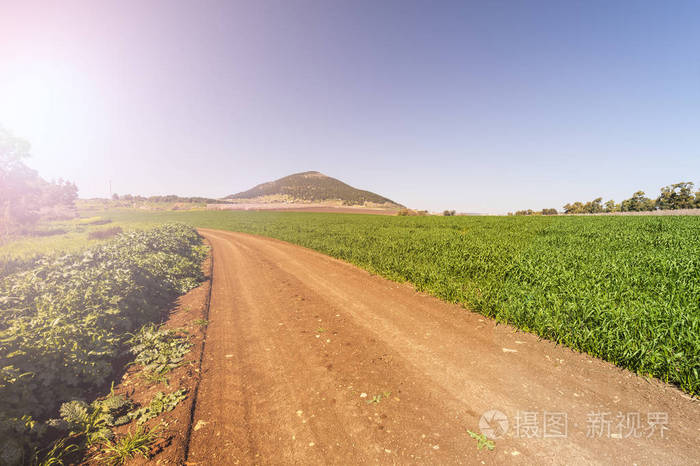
<point>485,107</point>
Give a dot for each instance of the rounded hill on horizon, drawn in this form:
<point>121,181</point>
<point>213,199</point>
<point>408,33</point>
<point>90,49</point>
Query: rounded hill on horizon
<point>312,186</point>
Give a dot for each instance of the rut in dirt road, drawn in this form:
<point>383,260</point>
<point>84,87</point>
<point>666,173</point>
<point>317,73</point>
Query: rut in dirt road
<point>309,360</point>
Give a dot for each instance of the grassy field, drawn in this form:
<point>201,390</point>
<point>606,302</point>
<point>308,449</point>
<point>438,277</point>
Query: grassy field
<point>67,235</point>
<point>626,289</point>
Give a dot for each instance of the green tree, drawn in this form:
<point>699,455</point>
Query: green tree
<point>637,203</point>
<point>593,207</point>
<point>61,192</point>
<point>611,206</point>
<point>676,196</point>
<point>575,208</point>
<point>524,212</point>
<point>22,191</point>
<point>19,185</point>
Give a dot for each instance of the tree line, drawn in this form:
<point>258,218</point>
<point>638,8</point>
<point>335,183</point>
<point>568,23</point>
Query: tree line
<point>24,195</point>
<point>672,197</point>
<point>167,198</point>
<point>535,212</point>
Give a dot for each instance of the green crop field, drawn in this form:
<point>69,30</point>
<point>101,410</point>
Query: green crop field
<point>66,322</point>
<point>626,289</point>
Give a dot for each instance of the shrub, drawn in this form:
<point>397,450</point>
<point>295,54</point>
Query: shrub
<point>104,234</point>
<point>411,213</point>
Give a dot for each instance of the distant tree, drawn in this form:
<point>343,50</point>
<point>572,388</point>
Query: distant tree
<point>59,192</point>
<point>676,196</point>
<point>593,207</point>
<point>22,191</point>
<point>449,213</point>
<point>637,203</point>
<point>575,208</point>
<point>411,213</point>
<point>171,198</point>
<point>115,197</point>
<point>611,206</point>
<point>19,185</point>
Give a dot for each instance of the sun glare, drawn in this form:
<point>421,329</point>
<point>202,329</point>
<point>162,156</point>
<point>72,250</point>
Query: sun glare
<point>40,98</point>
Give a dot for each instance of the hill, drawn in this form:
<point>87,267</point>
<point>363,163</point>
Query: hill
<point>312,186</point>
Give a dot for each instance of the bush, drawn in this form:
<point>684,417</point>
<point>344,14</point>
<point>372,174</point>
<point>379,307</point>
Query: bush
<point>411,213</point>
<point>10,265</point>
<point>104,234</point>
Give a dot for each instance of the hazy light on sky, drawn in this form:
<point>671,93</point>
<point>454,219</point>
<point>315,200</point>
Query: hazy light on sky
<point>476,106</point>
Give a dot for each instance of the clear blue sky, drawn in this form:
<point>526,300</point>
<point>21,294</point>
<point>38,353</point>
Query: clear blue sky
<point>475,106</point>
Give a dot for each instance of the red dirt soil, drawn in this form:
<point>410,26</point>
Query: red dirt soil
<point>300,344</point>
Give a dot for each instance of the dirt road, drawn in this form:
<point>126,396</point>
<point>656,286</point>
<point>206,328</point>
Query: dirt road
<point>309,360</point>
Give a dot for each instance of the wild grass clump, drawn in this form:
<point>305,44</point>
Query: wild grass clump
<point>126,447</point>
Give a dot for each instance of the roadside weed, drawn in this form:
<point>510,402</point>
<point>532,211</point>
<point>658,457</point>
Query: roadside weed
<point>126,447</point>
<point>160,404</point>
<point>482,441</point>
